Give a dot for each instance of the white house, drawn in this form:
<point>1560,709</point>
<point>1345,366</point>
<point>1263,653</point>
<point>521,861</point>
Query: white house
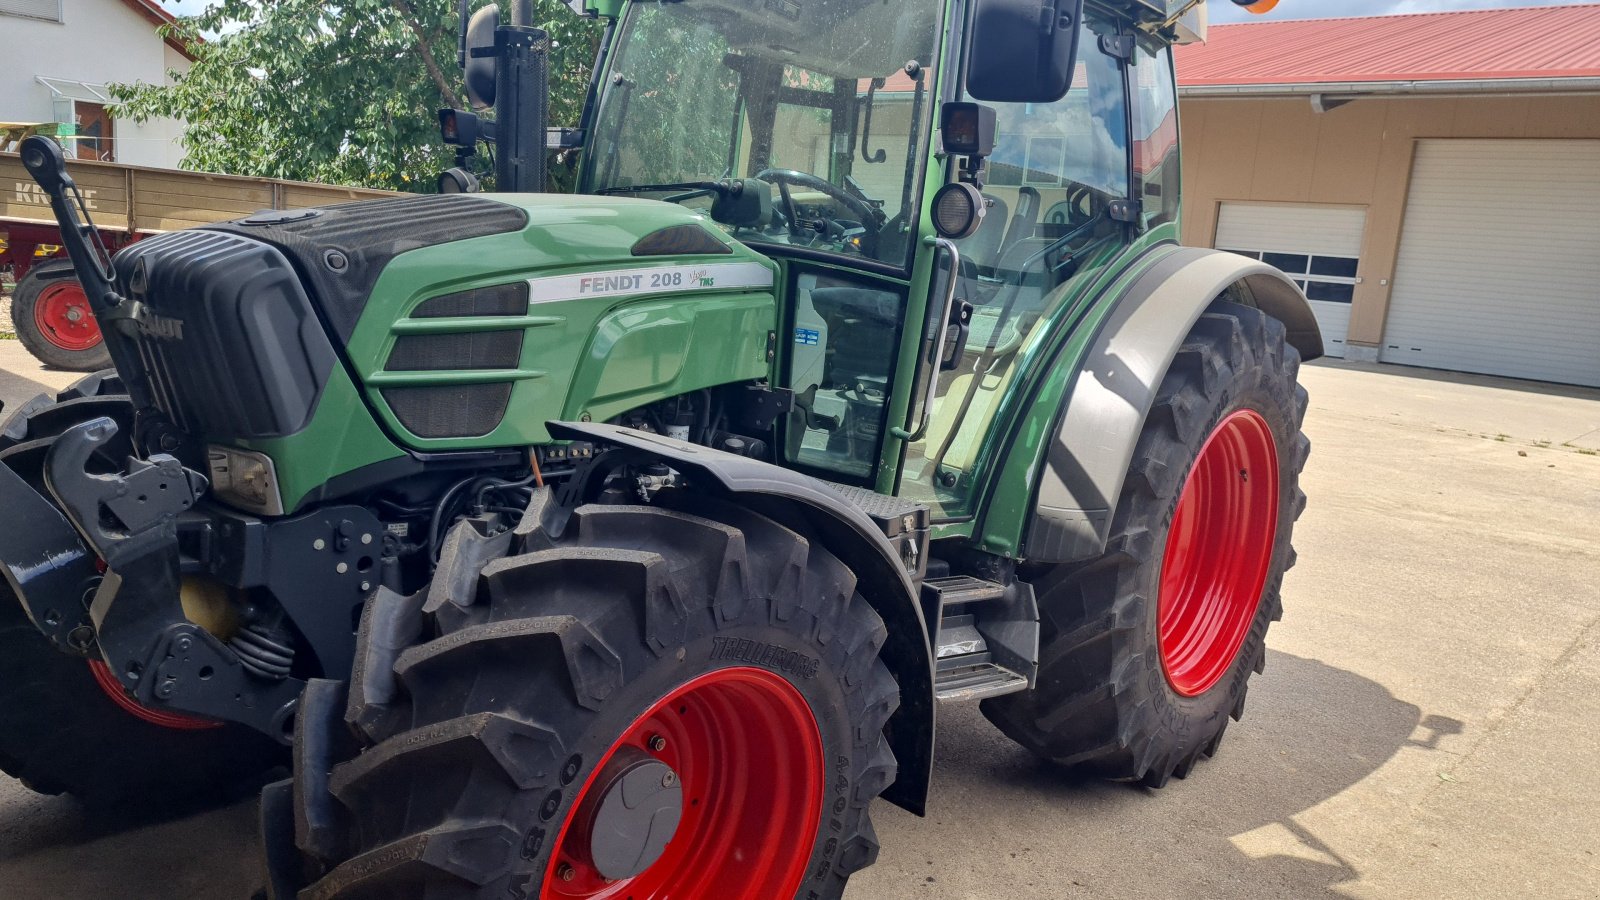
<point>59,56</point>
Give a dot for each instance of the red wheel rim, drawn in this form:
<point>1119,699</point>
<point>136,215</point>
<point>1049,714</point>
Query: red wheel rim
<point>63,316</point>
<point>747,751</point>
<point>1218,551</point>
<point>113,689</point>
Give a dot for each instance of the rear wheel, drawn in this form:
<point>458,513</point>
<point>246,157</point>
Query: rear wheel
<point>664,705</point>
<point>66,726</point>
<point>51,314</point>
<point>1145,653</point>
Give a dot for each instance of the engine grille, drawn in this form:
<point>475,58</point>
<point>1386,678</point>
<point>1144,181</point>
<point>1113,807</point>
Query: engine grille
<point>457,411</point>
<point>450,411</point>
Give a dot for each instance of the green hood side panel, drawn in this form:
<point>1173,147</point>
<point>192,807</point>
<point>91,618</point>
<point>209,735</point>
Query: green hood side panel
<point>599,354</point>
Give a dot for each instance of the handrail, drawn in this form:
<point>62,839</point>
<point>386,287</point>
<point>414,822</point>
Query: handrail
<point>905,433</point>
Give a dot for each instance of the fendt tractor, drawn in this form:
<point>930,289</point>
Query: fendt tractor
<point>624,543</point>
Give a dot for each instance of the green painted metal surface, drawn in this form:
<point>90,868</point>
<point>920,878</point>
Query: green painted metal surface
<point>340,438</point>
<point>600,354</point>
<point>1015,448</point>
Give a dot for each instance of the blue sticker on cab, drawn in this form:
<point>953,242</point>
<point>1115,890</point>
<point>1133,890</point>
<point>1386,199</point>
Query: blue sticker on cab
<point>807,336</point>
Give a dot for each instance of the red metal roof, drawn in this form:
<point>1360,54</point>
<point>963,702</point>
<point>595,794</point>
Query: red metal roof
<point>1489,44</point>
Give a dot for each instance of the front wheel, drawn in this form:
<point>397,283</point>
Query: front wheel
<point>665,705</point>
<point>1146,652</point>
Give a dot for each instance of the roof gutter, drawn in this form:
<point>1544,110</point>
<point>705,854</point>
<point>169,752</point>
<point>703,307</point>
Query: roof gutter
<point>1520,87</point>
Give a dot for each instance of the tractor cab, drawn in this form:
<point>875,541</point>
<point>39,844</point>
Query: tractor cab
<point>815,134</point>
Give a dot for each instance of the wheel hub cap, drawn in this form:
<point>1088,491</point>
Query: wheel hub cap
<point>632,812</point>
<point>1219,549</point>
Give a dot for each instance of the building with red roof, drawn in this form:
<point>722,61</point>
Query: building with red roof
<point>60,58</point>
<point>1433,180</point>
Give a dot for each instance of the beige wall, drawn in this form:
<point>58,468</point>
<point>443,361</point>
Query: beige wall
<point>1280,150</point>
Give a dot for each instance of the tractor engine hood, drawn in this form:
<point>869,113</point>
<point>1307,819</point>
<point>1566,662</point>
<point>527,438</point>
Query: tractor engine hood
<point>464,321</point>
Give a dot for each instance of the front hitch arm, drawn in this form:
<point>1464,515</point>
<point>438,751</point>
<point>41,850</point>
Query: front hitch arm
<point>130,521</point>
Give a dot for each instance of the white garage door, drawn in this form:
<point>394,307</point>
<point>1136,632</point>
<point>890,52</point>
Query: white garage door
<point>1499,268</point>
<point>1318,246</point>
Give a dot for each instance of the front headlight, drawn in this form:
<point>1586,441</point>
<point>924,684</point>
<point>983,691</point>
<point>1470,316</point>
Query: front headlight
<point>245,479</point>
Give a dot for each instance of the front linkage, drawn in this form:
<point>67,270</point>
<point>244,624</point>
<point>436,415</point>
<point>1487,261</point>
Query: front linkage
<point>123,541</point>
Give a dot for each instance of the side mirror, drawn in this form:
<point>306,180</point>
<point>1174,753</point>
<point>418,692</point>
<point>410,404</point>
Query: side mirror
<point>479,62</point>
<point>1023,51</point>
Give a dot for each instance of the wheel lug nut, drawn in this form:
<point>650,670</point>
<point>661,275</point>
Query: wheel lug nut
<point>668,780</point>
<point>566,872</point>
<point>657,743</point>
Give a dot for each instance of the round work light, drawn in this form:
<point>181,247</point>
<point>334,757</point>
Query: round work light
<point>958,210</point>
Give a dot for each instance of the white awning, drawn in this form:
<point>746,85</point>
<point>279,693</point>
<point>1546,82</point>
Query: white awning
<point>68,89</point>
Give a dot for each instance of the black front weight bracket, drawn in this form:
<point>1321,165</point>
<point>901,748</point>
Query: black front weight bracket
<point>130,522</point>
<point>46,565</point>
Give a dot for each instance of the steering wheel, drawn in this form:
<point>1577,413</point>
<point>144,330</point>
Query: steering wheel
<point>785,177</point>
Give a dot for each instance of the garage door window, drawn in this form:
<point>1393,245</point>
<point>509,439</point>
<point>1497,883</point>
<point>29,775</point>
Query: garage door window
<point>1331,279</point>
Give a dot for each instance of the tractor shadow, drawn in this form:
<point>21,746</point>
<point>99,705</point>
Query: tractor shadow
<point>52,847</point>
<point>1000,823</point>
<point>1004,824</point>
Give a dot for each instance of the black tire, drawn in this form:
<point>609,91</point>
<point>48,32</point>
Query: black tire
<point>502,710</point>
<point>25,297</point>
<point>1104,704</point>
<point>60,732</point>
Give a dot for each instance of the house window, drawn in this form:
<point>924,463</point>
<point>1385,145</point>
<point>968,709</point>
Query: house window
<point>49,10</point>
<point>1331,279</point>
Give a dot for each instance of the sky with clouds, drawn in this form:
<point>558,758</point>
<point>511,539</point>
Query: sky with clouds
<point>1225,11</point>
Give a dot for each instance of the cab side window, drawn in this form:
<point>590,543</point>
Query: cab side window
<point>1057,169</point>
<point>1155,133</point>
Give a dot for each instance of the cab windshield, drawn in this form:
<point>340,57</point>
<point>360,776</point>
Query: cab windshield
<point>790,122</point>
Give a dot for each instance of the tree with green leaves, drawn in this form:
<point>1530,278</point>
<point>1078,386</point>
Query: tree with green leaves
<point>340,93</point>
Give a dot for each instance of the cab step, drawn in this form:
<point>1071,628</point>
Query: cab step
<point>987,640</point>
<point>977,682</point>
<point>955,590</point>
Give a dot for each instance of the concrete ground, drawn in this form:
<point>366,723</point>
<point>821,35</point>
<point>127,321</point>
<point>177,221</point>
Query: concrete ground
<point>1425,727</point>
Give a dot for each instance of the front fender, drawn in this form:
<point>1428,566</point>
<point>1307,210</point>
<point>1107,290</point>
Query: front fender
<point>852,537</point>
<point>1115,388</point>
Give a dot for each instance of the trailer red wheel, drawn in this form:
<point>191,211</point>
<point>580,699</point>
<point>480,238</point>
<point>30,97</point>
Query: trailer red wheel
<point>1218,551</point>
<point>734,761</point>
<point>64,318</point>
<point>54,321</point>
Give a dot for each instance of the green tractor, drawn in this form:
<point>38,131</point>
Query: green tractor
<point>625,543</point>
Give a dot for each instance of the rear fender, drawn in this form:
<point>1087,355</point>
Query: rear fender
<point>852,537</point>
<point>1115,389</point>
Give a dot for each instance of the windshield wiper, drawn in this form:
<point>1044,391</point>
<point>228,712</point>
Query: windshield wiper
<point>724,188</point>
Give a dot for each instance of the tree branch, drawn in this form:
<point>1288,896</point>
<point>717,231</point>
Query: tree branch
<point>409,14</point>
